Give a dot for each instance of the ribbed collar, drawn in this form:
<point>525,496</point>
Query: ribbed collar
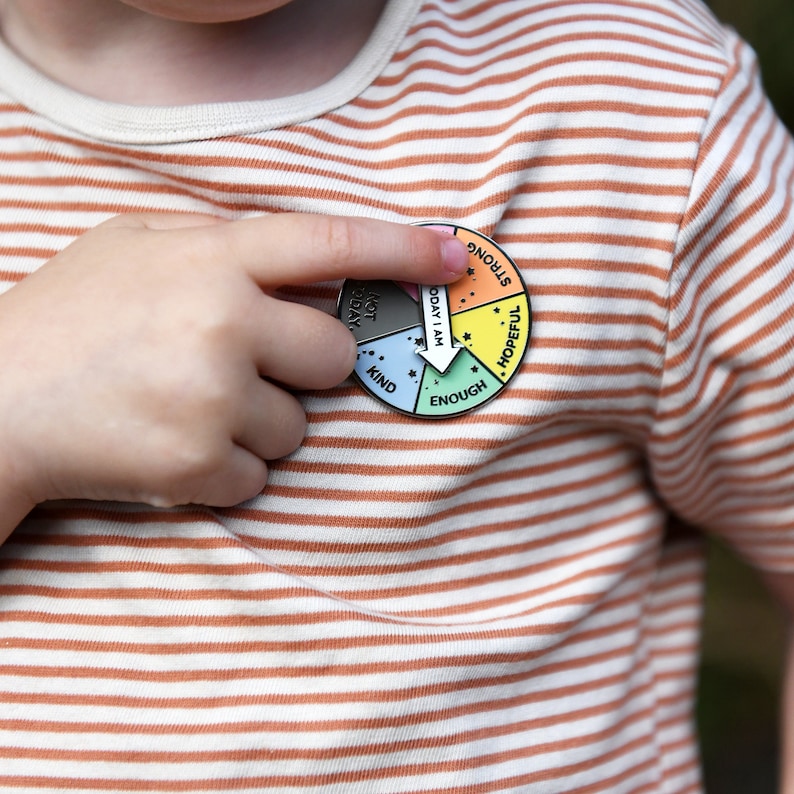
<point>134,124</point>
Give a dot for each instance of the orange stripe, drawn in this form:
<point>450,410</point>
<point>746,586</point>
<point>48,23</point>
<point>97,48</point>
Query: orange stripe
<point>304,753</point>
<point>505,78</point>
<point>231,649</point>
<point>380,773</point>
<point>401,668</point>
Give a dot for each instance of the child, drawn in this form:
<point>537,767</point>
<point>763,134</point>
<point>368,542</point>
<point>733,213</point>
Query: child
<point>486,602</point>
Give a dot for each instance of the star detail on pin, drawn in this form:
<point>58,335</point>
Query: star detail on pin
<point>418,356</point>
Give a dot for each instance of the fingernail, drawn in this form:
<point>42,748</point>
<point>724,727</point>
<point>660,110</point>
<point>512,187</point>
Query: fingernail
<point>455,255</point>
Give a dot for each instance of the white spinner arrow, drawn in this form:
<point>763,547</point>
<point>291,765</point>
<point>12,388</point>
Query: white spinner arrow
<point>440,348</point>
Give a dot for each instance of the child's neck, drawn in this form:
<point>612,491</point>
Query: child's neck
<point>110,51</point>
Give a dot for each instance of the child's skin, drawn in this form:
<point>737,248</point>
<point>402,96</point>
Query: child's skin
<point>153,52</point>
<point>132,361</point>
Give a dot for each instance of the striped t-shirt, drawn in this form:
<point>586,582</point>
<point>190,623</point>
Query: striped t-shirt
<point>488,602</point>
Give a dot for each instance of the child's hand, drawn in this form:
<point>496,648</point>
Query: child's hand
<point>131,362</point>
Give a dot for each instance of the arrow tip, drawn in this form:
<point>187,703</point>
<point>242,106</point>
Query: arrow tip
<point>440,358</point>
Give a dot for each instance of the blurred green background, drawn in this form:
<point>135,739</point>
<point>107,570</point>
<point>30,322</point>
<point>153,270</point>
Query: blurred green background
<point>768,25</point>
<point>740,674</point>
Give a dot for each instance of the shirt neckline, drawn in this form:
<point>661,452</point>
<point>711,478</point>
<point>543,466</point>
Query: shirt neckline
<point>159,124</point>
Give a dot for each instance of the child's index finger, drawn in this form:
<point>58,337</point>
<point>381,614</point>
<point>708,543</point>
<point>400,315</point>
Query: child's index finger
<point>295,248</point>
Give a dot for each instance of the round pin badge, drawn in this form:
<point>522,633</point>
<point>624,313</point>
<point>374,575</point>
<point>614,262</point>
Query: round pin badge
<point>436,352</point>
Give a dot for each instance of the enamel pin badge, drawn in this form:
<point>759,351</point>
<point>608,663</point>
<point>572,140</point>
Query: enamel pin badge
<point>436,352</point>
